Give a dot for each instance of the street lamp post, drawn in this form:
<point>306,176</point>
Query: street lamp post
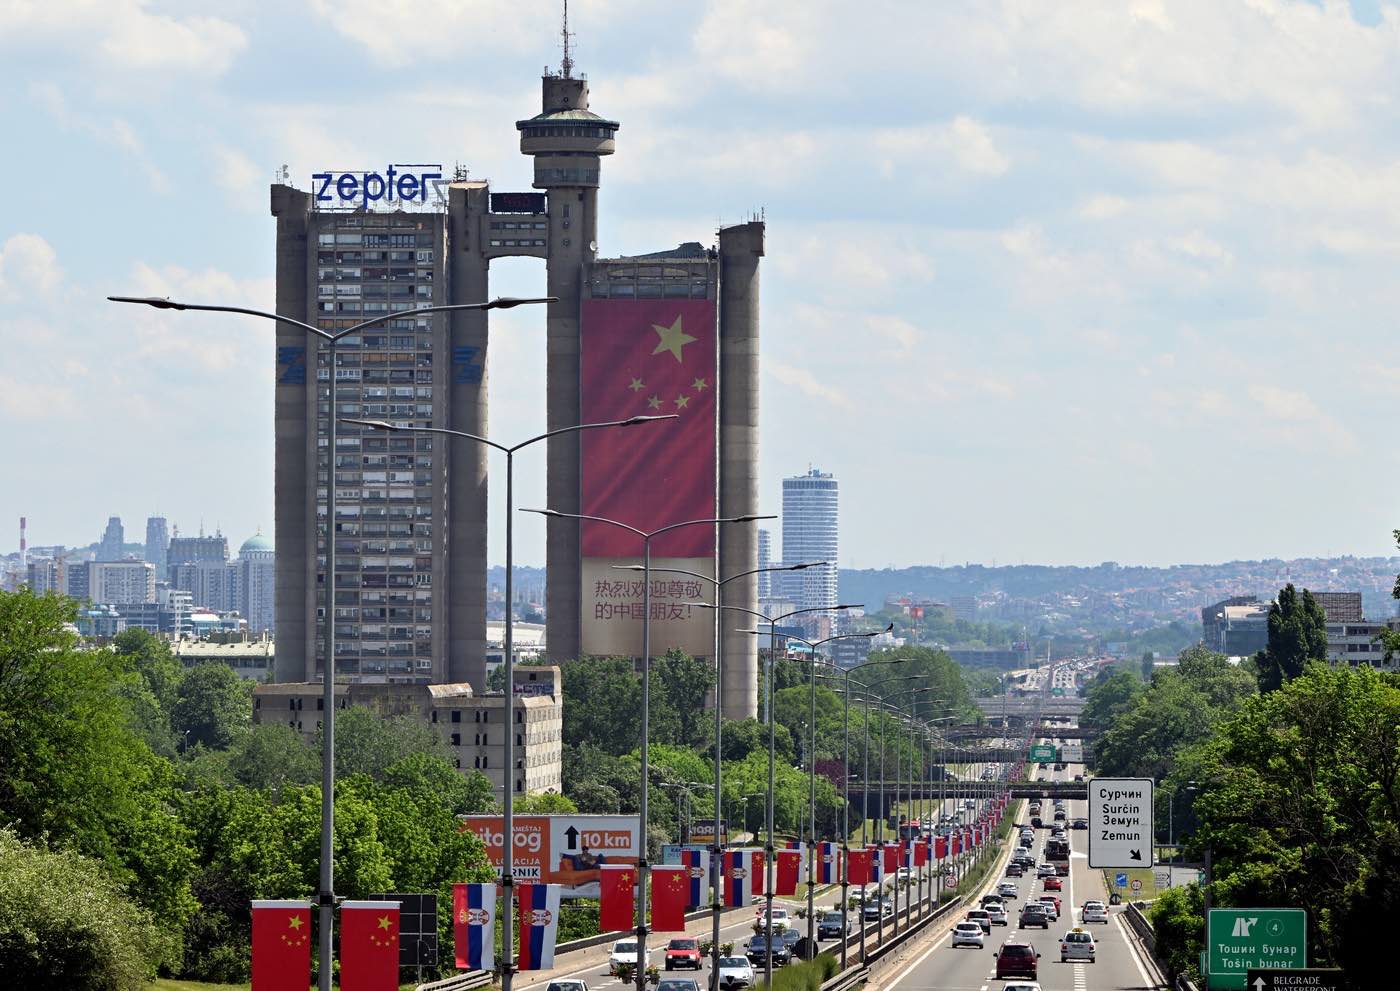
<point>326,896</point>
<point>716,850</point>
<point>508,789</point>
<point>647,536</point>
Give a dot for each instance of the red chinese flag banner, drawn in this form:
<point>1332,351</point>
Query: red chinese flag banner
<point>281,946</point>
<point>760,873</point>
<point>940,848</point>
<point>789,861</point>
<point>647,358</point>
<point>616,897</point>
<point>669,888</point>
<point>920,853</point>
<point>857,867</point>
<point>369,946</point>
<point>891,858</point>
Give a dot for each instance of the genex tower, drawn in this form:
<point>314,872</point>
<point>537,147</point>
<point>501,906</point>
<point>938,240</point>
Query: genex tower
<point>673,332</point>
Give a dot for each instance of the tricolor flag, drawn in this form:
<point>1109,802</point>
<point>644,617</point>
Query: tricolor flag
<point>858,867</point>
<point>909,855</point>
<point>738,878</point>
<point>697,865</point>
<point>828,863</point>
<point>789,862</point>
<point>281,945</point>
<point>474,925</point>
<point>877,864</point>
<point>616,897</point>
<point>669,889</point>
<point>539,925</point>
<point>369,946</point>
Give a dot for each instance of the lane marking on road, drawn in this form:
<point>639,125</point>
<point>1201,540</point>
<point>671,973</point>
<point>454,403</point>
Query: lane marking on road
<point>1147,981</point>
<point>1081,980</point>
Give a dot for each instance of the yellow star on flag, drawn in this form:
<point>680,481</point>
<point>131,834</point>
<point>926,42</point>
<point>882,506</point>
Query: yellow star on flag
<point>682,402</point>
<point>699,385</point>
<point>383,922</point>
<point>654,402</point>
<point>294,922</point>
<point>636,385</point>
<point>673,338</point>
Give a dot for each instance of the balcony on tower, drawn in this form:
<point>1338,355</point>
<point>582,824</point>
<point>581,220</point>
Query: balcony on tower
<point>566,138</point>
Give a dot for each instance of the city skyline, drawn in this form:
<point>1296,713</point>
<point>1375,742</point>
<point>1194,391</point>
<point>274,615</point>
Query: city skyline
<point>1090,296</point>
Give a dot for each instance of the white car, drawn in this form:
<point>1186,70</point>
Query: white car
<point>1076,944</point>
<point>1021,986</point>
<point>967,934</point>
<point>1007,889</point>
<point>624,951</point>
<point>1094,911</point>
<point>735,972</point>
<point>780,919</point>
<point>997,913</point>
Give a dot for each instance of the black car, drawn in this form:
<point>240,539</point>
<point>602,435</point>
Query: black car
<point>832,925</point>
<point>789,937</point>
<point>757,951</point>
<point>1014,869</point>
<point>678,984</point>
<point>1079,824</point>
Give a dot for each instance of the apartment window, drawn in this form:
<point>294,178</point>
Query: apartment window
<point>519,715</point>
<point>520,739</point>
<point>485,761</point>
<point>457,763</point>
<point>519,784</point>
<point>291,704</point>
<point>456,715</point>
<point>456,739</point>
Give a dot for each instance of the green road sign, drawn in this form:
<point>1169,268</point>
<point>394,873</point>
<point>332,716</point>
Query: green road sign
<point>1044,753</point>
<point>1242,939</point>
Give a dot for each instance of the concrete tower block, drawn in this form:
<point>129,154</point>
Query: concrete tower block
<point>740,248</point>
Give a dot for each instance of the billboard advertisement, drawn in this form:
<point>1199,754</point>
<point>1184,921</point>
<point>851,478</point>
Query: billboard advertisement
<point>567,850</point>
<point>648,358</point>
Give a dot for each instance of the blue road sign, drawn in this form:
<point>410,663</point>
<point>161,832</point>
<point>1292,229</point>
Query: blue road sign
<point>1120,879</point>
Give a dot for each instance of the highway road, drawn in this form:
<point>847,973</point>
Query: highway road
<point>1118,965</point>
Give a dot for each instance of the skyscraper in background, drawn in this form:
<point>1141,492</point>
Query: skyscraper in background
<point>765,559</point>
<point>113,540</point>
<point>157,540</point>
<point>809,534</point>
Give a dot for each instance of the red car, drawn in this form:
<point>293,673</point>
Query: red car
<point>1052,898</point>
<point>1017,960</point>
<point>1054,884</point>
<point>683,953</point>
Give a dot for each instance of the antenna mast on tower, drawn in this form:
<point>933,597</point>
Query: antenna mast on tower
<point>566,65</point>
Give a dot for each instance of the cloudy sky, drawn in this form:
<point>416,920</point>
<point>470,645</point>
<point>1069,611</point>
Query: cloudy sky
<point>1047,281</point>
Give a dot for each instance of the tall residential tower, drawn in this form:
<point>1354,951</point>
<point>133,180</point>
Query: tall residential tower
<point>809,534</point>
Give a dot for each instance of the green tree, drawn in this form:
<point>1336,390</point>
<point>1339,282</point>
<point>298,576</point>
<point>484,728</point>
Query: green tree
<point>213,706</point>
<point>595,797</point>
<point>368,743</point>
<point>544,803</point>
<point>1297,634</point>
<point>1110,695</point>
<point>429,776</point>
<point>1178,924</point>
<point>273,756</point>
<point>605,704</point>
<point>680,683</point>
<point>149,657</point>
<point>65,922</point>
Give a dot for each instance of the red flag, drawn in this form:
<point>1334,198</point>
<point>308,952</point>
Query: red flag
<point>616,897</point>
<point>369,946</point>
<point>940,848</point>
<point>760,873</point>
<point>281,946</point>
<point>891,858</point>
<point>648,358</point>
<point>857,866</point>
<point>920,853</point>
<point>669,888</point>
<point>788,863</point>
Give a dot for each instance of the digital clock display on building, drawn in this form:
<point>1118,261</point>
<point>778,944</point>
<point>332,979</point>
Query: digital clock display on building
<point>517,202</point>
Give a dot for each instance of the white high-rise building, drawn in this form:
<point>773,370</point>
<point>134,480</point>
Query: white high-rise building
<point>765,560</point>
<point>256,572</point>
<point>809,534</point>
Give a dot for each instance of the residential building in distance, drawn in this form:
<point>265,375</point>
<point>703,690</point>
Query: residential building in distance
<point>1340,607</point>
<point>75,579</point>
<point>765,560</point>
<point>157,543</point>
<point>249,658</point>
<point>474,726</point>
<point>810,526</point>
<point>1237,626</point>
<point>255,584</point>
<point>121,582</point>
<point>964,607</point>
<point>113,546</point>
<point>44,575</point>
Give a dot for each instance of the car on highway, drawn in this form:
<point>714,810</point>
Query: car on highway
<point>1037,822</point>
<point>790,937</point>
<point>624,951</point>
<point>1045,870</point>
<point>1076,944</point>
<point>988,898</point>
<point>1014,869</point>
<point>1079,777</point>
<point>1060,815</point>
<point>1062,868</point>
<point>968,934</point>
<point>1008,889</point>
<point>996,911</point>
<point>683,952</point>
<point>875,908</point>
<point>979,916</point>
<point>905,874</point>
<point>1054,884</point>
<point>1021,986</point>
<point>1052,904</point>
<point>572,984</point>
<point>779,919</point>
<point>1094,911</point>
<point>1017,960</point>
<point>735,973</point>
<point>756,949</point>
<point>678,984</point>
<point>832,925</point>
<point>1080,823</point>
<point>1034,914</point>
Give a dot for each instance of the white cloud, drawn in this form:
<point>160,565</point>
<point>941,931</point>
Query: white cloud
<point>962,142</point>
<point>807,384</point>
<point>109,130</point>
<point>28,268</point>
<point>1102,207</point>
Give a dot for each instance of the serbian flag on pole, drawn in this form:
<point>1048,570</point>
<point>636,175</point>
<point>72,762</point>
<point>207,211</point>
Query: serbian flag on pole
<point>474,925</point>
<point>697,866</point>
<point>858,867</point>
<point>738,878</point>
<point>669,888</point>
<point>616,897</point>
<point>539,926</point>
<point>369,946</point>
<point>877,864</point>
<point>891,859</point>
<point>909,854</point>
<point>788,863</point>
<point>828,863</point>
<point>281,945</point>
<point>940,848</point>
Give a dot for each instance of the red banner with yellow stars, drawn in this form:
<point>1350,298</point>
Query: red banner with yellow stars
<point>281,945</point>
<point>369,946</point>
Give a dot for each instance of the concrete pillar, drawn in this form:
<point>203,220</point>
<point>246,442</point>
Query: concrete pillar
<point>460,374</point>
<point>740,248</point>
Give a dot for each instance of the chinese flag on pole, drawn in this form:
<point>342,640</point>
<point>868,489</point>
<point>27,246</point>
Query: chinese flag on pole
<point>760,873</point>
<point>669,887</point>
<point>857,867</point>
<point>788,863</point>
<point>920,853</point>
<point>615,903</point>
<point>281,946</point>
<point>891,858</point>
<point>940,848</point>
<point>369,946</point>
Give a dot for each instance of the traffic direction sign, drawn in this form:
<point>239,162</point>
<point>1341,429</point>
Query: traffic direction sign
<point>1120,822</point>
<point>1296,979</point>
<point>1044,753</point>
<point>1239,940</point>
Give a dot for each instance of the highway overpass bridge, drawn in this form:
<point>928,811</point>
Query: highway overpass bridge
<point>1019,789</point>
<point>1021,709</point>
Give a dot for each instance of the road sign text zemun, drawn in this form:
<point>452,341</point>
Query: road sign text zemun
<point>1120,822</point>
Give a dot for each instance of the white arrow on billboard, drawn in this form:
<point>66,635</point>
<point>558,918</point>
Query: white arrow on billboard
<point>1120,822</point>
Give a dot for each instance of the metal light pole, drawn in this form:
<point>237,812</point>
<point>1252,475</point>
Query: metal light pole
<point>508,801</point>
<point>716,850</point>
<point>647,536</point>
<point>326,896</point>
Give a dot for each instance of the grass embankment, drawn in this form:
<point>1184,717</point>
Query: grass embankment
<point>806,976</point>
